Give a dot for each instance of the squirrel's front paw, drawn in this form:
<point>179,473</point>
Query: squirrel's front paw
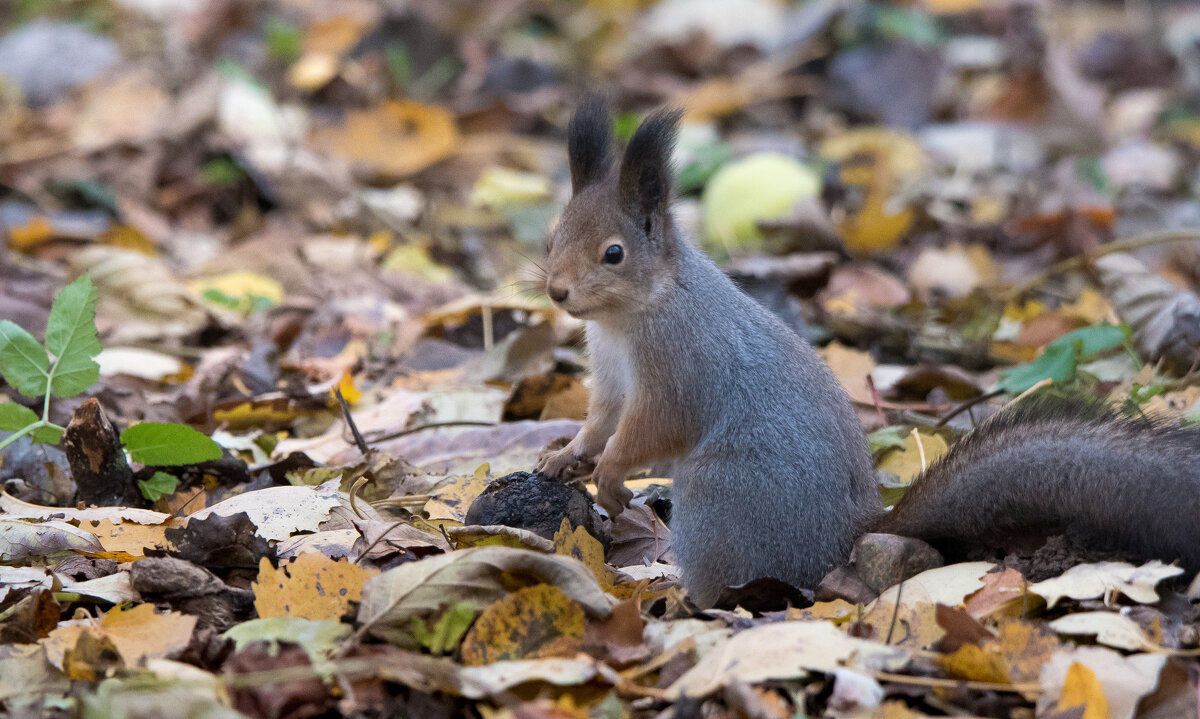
<point>611,493</point>
<point>557,464</point>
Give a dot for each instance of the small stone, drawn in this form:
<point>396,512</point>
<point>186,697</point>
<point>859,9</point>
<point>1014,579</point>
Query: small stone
<point>533,502</point>
<point>844,583</point>
<point>884,560</point>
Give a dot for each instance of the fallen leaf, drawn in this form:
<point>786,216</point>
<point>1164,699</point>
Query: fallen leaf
<point>783,651</point>
<point>395,139</point>
<point>1109,628</point>
<point>481,576</point>
<point>530,623</point>
<point>1106,580</point>
<point>277,512</point>
<point>20,539</point>
<point>312,586</point>
<point>1082,689</point>
<point>920,450</point>
<point>1124,680</point>
<point>14,508</point>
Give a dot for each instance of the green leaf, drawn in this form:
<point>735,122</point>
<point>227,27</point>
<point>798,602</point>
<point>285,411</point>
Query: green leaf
<point>14,417</point>
<point>624,125</point>
<point>399,64</point>
<point>449,629</point>
<point>71,338</point>
<point>915,26</point>
<point>220,298</point>
<point>886,438</point>
<point>158,486</point>
<point>163,443</point>
<point>319,639</point>
<point>284,40</point>
<point>47,435</point>
<point>1061,358</point>
<point>705,162</point>
<point>1057,363</point>
<point>1094,339</point>
<point>23,362</point>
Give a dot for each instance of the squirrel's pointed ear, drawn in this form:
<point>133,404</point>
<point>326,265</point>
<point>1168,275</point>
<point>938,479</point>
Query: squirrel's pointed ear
<point>589,142</point>
<point>645,180</point>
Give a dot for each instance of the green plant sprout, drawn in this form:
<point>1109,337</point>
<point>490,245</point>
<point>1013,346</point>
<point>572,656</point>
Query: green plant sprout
<point>27,365</point>
<point>64,367</point>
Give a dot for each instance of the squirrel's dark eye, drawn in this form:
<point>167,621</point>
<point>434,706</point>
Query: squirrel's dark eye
<point>613,255</point>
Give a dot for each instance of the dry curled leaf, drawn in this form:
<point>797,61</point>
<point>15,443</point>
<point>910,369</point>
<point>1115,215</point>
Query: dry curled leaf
<point>1165,319</point>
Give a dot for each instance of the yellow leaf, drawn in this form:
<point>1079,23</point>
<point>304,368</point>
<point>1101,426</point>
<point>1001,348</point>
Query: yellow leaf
<point>1023,312</point>
<point>311,587</point>
<point>852,367</point>
<point>501,186</point>
<point>530,623</point>
<point>875,159</point>
<point>453,499</point>
<point>271,412</point>
<point>396,139</point>
<point>242,286</point>
<point>981,664</point>
<point>414,260</point>
<point>1017,654</point>
<point>584,547</point>
<point>30,235</point>
<point>1091,308</point>
<point>1081,688</point>
<point>351,393</point>
<point>131,538</point>
<point>899,150</point>
<point>139,632</point>
<point>919,451</point>
<point>129,238</point>
<point>837,611</point>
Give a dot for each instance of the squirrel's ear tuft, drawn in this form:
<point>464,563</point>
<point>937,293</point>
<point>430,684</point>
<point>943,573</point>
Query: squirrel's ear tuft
<point>645,181</point>
<point>589,142</point>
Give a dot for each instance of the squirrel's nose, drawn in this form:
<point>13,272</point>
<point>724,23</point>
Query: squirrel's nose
<point>557,293</point>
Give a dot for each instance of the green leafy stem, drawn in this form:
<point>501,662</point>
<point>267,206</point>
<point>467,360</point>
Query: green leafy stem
<point>64,367</point>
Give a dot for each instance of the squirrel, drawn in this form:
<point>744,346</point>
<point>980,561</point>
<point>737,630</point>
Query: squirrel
<point>772,474</point>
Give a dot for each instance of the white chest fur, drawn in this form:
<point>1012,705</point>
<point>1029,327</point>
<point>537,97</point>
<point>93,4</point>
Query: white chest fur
<point>612,360</point>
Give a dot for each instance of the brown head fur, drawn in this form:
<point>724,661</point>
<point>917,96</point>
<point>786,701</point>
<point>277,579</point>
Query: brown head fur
<point>613,250</point>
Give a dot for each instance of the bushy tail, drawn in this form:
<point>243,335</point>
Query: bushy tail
<point>1063,466</point>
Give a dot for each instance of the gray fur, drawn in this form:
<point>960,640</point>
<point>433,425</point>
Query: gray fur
<point>1060,466</point>
<point>778,482</point>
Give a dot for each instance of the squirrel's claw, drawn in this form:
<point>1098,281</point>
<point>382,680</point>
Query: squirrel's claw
<point>558,463</point>
<point>612,494</point>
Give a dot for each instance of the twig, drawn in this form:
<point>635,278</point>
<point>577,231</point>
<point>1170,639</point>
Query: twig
<point>412,500</point>
<point>966,406</point>
<point>432,425</point>
<point>358,438</point>
<point>899,595</point>
<point>877,400</point>
<point>1017,687</point>
<point>1081,261</point>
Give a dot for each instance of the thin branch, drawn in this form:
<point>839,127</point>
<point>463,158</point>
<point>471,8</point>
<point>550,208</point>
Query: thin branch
<point>432,425</point>
<point>1079,262</point>
<point>358,438</point>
